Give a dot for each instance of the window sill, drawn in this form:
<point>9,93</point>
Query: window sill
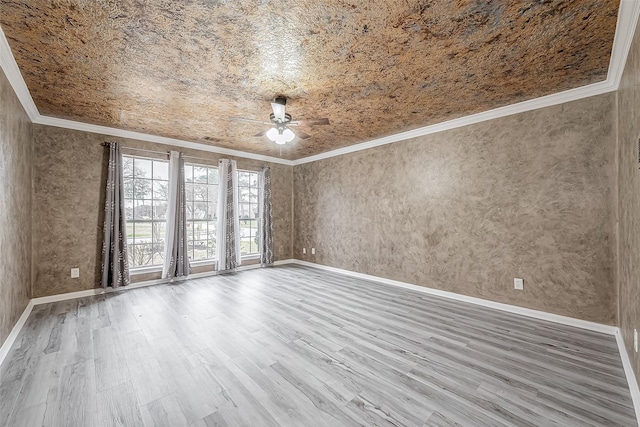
<point>144,270</point>
<point>158,268</point>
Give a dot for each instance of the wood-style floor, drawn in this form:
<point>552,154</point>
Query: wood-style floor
<point>295,346</point>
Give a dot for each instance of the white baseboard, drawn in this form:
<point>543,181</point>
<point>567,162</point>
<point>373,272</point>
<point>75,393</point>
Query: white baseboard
<point>543,315</point>
<point>8,343</point>
<point>629,373</point>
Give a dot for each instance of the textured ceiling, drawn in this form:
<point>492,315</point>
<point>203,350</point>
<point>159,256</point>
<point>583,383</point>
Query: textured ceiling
<point>374,68</point>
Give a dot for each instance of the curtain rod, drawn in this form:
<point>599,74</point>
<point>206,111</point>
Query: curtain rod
<point>165,153</point>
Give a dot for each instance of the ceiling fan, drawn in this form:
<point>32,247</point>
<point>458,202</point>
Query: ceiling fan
<point>280,120</point>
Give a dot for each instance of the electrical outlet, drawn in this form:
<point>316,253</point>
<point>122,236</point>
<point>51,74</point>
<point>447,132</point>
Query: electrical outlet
<point>518,284</point>
<point>75,273</point>
<point>635,340</point>
<point>313,251</point>
<point>304,250</point>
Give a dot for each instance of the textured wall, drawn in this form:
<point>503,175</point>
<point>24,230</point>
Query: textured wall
<point>629,199</point>
<point>467,210</point>
<point>16,156</point>
<point>68,205</point>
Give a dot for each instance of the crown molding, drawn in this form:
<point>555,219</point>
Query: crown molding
<point>11,70</point>
<point>104,130</point>
<point>628,14</point>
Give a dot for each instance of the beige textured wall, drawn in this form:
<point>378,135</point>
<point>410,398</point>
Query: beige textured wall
<point>16,156</point>
<point>629,200</point>
<point>68,205</point>
<point>467,210</point>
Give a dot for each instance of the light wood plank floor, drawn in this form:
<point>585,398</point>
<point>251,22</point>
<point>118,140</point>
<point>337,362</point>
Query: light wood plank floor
<point>295,346</point>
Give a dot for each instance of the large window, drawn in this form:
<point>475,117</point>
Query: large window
<point>146,184</point>
<point>248,211</point>
<point>202,201</point>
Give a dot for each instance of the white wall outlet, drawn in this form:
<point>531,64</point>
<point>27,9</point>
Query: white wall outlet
<point>304,250</point>
<point>635,340</point>
<point>75,273</point>
<point>313,251</point>
<point>518,284</point>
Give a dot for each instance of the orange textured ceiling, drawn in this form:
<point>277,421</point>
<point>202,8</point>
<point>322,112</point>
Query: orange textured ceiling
<point>374,68</point>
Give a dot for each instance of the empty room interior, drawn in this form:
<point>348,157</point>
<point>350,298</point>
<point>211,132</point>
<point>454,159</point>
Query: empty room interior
<point>319,213</point>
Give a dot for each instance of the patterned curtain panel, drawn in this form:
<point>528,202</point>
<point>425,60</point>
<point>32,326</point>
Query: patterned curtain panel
<point>228,233</point>
<point>115,265</point>
<point>266,227</point>
<point>176,260</point>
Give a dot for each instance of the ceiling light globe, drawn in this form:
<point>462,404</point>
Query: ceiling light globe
<point>272,134</point>
<point>288,135</point>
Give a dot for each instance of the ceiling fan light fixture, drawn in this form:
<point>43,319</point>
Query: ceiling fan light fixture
<point>280,136</point>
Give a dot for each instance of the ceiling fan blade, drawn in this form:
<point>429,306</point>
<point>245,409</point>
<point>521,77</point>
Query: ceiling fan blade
<point>311,122</point>
<point>263,133</point>
<point>242,119</point>
<point>278,111</point>
<point>301,134</point>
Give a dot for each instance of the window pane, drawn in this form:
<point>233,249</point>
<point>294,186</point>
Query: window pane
<point>128,188</point>
<point>160,190</point>
<point>243,195</point>
<point>189,210</point>
<point>188,191</point>
<point>130,232</point>
<point>200,192</point>
<point>143,232</point>
<point>212,210</point>
<point>189,230</point>
<point>159,209</point>
<point>188,173</point>
<point>200,210</point>
<point>141,188</point>
<point>128,210</point>
<point>200,174</point>
<point>253,179</point>
<point>245,246</point>
<point>199,230</point>
<point>213,175</point>
<point>253,210</point>
<point>160,170</point>
<point>142,209</point>
<point>212,197</point>
<point>245,210</point>
<point>141,255</point>
<point>199,250</point>
<point>159,233</point>
<point>158,258</point>
<point>212,230</point>
<point>253,195</point>
<point>243,179</point>
<point>141,168</point>
<point>127,166</point>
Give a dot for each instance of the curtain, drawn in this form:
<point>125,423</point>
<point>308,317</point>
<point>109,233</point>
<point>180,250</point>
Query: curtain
<point>115,265</point>
<point>228,233</point>
<point>266,227</point>
<point>176,260</point>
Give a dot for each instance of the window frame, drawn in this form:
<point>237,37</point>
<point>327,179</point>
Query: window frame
<point>152,220</point>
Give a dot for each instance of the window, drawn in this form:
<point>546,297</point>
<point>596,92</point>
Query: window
<point>202,200</point>
<point>146,186</point>
<point>248,211</point>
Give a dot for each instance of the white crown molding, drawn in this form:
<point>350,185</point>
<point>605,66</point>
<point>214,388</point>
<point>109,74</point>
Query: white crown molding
<point>523,311</point>
<point>11,70</point>
<point>629,374</point>
<point>628,14</point>
<point>104,130</point>
<point>532,104</point>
